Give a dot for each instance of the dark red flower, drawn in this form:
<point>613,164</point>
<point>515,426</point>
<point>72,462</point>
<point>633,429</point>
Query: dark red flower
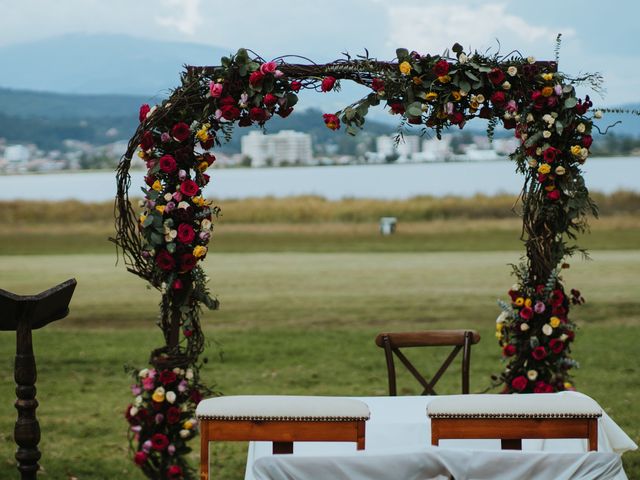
<point>551,154</point>
<point>245,121</point>
<point>144,109</point>
<point>496,76</point>
<point>553,195</point>
<point>327,84</point>
<point>147,142</point>
<point>180,131</point>
<point>230,112</point>
<point>441,67</point>
<point>227,100</point>
<point>269,100</point>
<point>556,345</point>
<point>526,313</point>
<point>587,140</point>
<point>174,472</point>
<point>159,441</point>
<point>196,396</point>
<point>187,262</point>
<point>295,85</point>
<point>285,112</point>
<point>498,99</point>
<point>557,297</point>
<point>186,234</point>
<point>208,143</point>
<point>140,458</point>
<point>167,377</point>
<point>509,123</point>
<point>177,284</point>
<point>331,121</point>
<point>513,294</point>
<point>173,415</point>
<point>456,118</point>
<point>542,387</point>
<point>167,164</point>
<point>189,188</point>
<point>539,353</point>
<point>542,178</point>
<point>258,114</point>
<point>519,383</point>
<point>377,84</point>
<point>165,261</point>
<point>207,157</point>
<point>582,107</point>
<point>538,99</point>
<point>397,108</point>
<point>417,120</point>
<point>485,112</point>
<point>509,350</point>
<point>256,78</point>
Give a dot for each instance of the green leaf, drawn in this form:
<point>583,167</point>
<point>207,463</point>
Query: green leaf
<point>292,99</point>
<point>171,247</point>
<point>570,102</point>
<point>147,221</point>
<point>402,54</point>
<point>567,89</point>
<point>415,109</point>
<point>472,76</point>
<point>464,86</point>
<point>351,130</point>
<point>559,127</point>
<point>242,69</point>
<point>156,238</point>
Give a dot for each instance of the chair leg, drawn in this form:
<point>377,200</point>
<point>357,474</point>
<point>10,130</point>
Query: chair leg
<point>466,360</point>
<point>391,369</point>
<point>204,451</point>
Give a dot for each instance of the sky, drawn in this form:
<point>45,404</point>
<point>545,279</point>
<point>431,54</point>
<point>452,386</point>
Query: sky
<point>597,36</point>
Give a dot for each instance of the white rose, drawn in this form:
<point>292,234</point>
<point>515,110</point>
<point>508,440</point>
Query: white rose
<point>138,401</point>
<point>184,205</point>
<point>598,114</point>
<point>176,371</point>
<point>506,86</point>
<point>546,134</point>
<point>480,98</point>
<point>531,59</point>
<point>133,411</point>
<point>547,329</point>
<point>515,287</point>
<point>506,115</point>
<point>524,327</point>
<point>150,112</point>
<point>532,375</point>
<point>144,373</point>
<point>560,170</point>
<point>205,224</point>
<point>463,58</point>
<point>529,118</point>
<point>170,397</point>
<point>533,163</point>
<point>188,374</point>
<point>512,71</point>
<point>517,117</point>
<point>185,433</point>
<point>584,153</point>
<point>502,317</point>
<point>580,128</point>
<point>539,151</point>
<point>168,197</point>
<point>564,337</point>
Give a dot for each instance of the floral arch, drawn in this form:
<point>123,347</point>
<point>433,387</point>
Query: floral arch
<point>165,240</point>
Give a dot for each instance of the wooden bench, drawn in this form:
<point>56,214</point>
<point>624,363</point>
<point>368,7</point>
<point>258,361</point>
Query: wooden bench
<point>511,418</point>
<point>281,420</point>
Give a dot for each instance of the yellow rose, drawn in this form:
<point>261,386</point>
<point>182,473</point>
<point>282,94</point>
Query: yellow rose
<point>554,322</point>
<point>417,80</point>
<point>473,104</point>
<point>199,201</point>
<point>499,326</point>
<point>444,78</point>
<point>142,218</point>
<point>188,424</point>
<point>203,166</point>
<point>527,303</point>
<point>547,91</point>
<point>499,335</point>
<point>199,251</point>
<point>547,76</point>
<point>158,395</point>
<point>519,302</point>
<point>576,150</point>
<point>141,154</point>
<point>405,68</point>
<point>157,186</point>
<point>160,208</point>
<point>431,96</point>
<point>544,168</point>
<point>568,385</point>
<point>456,95</point>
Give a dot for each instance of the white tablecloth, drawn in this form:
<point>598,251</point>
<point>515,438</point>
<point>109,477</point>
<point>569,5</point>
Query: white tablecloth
<point>400,424</point>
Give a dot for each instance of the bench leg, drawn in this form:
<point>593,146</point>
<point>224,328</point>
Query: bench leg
<point>282,447</point>
<point>204,453</point>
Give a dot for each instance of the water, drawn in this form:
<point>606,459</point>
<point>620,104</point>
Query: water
<point>604,175</point>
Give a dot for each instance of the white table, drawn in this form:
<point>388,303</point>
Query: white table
<point>400,424</point>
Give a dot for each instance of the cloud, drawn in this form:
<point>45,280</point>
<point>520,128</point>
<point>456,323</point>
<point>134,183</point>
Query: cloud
<point>185,16</point>
<point>434,28</point>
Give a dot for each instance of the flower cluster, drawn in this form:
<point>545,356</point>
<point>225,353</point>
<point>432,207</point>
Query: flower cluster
<point>535,334</point>
<point>162,420</point>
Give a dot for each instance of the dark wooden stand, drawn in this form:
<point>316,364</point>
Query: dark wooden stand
<point>23,314</point>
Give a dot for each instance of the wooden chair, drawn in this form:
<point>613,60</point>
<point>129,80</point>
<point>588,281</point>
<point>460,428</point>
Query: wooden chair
<point>459,339</point>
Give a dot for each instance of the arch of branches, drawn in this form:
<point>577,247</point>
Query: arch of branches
<point>165,238</point>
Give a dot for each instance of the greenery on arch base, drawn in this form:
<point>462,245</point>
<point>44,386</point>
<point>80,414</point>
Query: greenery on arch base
<point>166,237</point>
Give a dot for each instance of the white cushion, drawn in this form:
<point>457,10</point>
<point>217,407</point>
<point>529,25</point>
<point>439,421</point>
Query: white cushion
<point>282,407</point>
<point>534,405</point>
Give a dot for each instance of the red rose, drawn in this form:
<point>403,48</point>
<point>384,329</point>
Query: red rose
<point>587,140</point>
<point>553,195</point>
<point>418,120</point>
<point>513,294</point>
<point>245,121</point>
<point>456,118</point>
<point>174,472</point>
<point>377,84</point>
<point>556,345</point>
<point>186,234</point>
<point>498,99</point>
<point>140,458</point>
<point>167,377</point>
<point>258,114</point>
<point>496,76</point>
<point>165,261</point>
<point>167,163</point>
<point>539,100</point>
<point>187,262</point>
<point>331,121</point>
<point>550,154</point>
<point>144,109</point>
<point>441,68</point>
<point>397,108</point>
<point>189,188</point>
<point>159,441</point>
<point>196,396</point>
<point>539,353</point>
<point>519,383</point>
<point>526,313</point>
<point>509,350</point>
<point>557,297</point>
<point>173,415</point>
<point>327,83</point>
<point>295,86</point>
<point>255,78</point>
<point>542,387</point>
<point>542,178</point>
<point>228,100</point>
<point>180,131</point>
<point>147,142</point>
<point>269,100</point>
<point>285,112</point>
<point>230,112</point>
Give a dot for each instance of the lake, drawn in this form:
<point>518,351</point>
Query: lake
<point>604,175</point>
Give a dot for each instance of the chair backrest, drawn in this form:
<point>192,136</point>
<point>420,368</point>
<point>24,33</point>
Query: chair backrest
<point>459,339</point>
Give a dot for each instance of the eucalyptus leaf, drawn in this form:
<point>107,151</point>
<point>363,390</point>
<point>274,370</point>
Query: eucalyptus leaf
<point>402,54</point>
<point>147,221</point>
<point>472,76</point>
<point>292,99</point>
<point>570,102</point>
<point>351,130</point>
<point>464,86</point>
<point>414,109</point>
<point>559,127</point>
<point>156,238</point>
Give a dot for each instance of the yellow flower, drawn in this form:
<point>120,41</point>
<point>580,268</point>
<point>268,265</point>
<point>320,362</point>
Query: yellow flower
<point>499,326</point>
<point>547,76</point>
<point>405,68</point>
<point>519,302</point>
<point>199,251</point>
<point>157,186</point>
<point>554,322</point>
<point>188,424</point>
<point>142,218</point>
<point>527,303</point>
<point>431,96</point>
<point>198,201</point>
<point>417,80</point>
<point>547,91</point>
<point>499,335</point>
<point>158,395</point>
<point>568,385</point>
<point>203,166</point>
<point>442,114</point>
<point>203,133</point>
<point>576,150</point>
<point>550,188</point>
<point>456,95</point>
<point>141,154</point>
<point>544,168</point>
<point>473,104</point>
<point>444,78</point>
<point>160,208</point>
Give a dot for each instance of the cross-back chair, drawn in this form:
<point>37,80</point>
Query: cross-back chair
<point>458,339</point>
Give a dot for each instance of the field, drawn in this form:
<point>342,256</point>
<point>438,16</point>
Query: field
<point>301,304</point>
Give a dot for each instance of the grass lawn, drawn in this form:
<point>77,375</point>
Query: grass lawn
<point>299,323</point>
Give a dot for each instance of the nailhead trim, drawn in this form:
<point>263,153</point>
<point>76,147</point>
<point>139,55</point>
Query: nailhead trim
<point>514,415</point>
<point>281,419</point>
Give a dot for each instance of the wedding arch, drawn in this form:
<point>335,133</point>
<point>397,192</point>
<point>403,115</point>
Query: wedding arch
<point>164,240</point>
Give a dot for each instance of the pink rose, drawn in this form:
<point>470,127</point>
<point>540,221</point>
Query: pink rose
<point>140,458</point>
<point>215,89</point>
<point>526,313</point>
<point>148,383</point>
<point>269,67</point>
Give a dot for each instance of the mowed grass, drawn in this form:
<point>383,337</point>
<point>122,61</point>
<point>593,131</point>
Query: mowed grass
<point>294,323</point>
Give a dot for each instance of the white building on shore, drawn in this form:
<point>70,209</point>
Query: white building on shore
<point>284,147</point>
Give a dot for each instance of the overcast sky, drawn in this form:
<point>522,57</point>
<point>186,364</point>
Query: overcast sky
<point>597,36</point>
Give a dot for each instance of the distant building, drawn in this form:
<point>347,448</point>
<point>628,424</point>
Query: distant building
<point>403,152</point>
<point>17,154</point>
<point>286,146</point>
